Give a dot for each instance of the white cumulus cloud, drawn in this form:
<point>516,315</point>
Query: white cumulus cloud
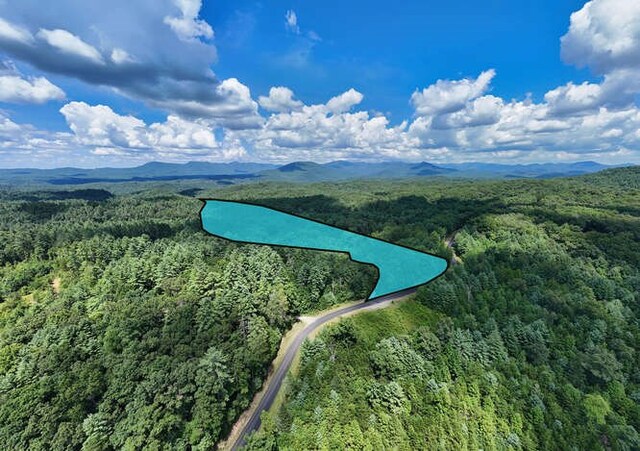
<point>574,98</point>
<point>70,44</point>
<point>345,101</point>
<point>16,89</point>
<point>447,96</point>
<point>234,107</point>
<point>325,132</point>
<point>280,100</point>
<point>106,132</point>
<point>604,35</point>
<point>188,25</point>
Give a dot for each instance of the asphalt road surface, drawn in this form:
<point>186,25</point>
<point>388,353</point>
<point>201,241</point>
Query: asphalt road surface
<point>276,382</point>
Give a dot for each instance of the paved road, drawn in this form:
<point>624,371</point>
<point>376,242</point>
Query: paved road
<point>450,241</point>
<point>274,385</point>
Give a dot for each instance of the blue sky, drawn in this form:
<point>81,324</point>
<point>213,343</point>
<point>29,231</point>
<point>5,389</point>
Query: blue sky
<point>387,50</point>
<point>93,84</point>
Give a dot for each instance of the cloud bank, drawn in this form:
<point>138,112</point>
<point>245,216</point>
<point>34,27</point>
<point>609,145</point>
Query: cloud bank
<point>157,51</point>
<point>161,52</point>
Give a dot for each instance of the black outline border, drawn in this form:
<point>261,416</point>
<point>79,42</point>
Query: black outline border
<point>367,299</point>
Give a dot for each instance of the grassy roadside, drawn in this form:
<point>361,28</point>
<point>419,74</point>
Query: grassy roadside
<point>285,343</point>
<point>295,365</point>
<point>351,362</point>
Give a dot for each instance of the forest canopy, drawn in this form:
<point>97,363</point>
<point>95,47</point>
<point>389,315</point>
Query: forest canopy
<point>123,325</point>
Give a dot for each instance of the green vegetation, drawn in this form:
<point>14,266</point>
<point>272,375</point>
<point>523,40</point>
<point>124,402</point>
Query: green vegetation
<point>531,343</point>
<point>124,326</point>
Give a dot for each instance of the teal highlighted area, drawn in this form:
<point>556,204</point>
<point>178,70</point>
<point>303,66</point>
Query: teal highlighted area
<point>399,267</point>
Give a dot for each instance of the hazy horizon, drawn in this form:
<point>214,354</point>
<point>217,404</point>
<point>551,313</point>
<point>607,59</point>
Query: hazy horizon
<point>131,166</point>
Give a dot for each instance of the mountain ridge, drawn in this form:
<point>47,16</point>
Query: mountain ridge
<point>297,171</point>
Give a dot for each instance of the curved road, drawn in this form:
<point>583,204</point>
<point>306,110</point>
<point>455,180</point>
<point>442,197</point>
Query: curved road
<point>276,382</point>
<point>274,385</point>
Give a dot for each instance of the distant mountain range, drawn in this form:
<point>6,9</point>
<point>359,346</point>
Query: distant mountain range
<point>306,171</point>
<point>154,171</point>
<point>301,171</point>
<point>537,170</point>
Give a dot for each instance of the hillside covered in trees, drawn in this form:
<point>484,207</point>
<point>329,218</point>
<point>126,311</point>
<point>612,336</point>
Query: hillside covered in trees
<point>531,343</point>
<point>124,326</point>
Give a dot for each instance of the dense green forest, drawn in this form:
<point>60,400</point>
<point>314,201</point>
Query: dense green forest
<point>124,326</point>
<point>530,343</point>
